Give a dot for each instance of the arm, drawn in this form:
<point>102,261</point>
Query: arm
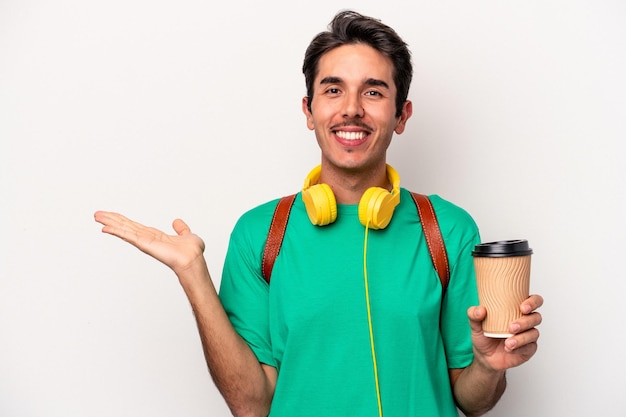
<point>247,385</point>
<point>478,387</point>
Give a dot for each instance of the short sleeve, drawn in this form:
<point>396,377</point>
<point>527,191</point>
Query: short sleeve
<point>243,291</point>
<point>460,235</point>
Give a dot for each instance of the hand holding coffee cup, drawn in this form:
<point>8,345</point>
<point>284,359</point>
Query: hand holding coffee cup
<point>503,279</point>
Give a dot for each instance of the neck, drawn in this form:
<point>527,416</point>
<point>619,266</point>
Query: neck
<point>349,186</point>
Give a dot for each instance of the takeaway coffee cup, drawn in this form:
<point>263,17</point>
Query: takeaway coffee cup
<point>503,278</point>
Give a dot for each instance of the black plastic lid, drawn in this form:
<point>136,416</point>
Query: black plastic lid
<point>502,248</point>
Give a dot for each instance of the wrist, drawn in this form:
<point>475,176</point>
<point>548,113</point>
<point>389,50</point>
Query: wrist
<point>195,277</point>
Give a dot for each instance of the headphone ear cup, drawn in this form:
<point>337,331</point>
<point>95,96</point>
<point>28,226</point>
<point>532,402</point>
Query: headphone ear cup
<point>320,204</point>
<point>376,208</point>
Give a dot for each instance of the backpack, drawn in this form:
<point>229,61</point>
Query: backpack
<point>425,211</point>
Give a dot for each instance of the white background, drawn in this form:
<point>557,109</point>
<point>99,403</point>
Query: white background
<point>191,109</point>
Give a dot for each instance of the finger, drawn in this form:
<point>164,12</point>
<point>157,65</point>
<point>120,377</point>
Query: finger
<point>477,313</point>
<point>523,353</point>
<point>476,316</point>
<point>180,227</point>
<point>526,322</point>
<point>118,225</point>
<point>531,304</point>
<point>109,218</point>
<point>101,216</point>
<point>520,341</point>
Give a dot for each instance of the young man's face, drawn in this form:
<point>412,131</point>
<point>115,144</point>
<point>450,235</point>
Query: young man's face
<point>353,108</point>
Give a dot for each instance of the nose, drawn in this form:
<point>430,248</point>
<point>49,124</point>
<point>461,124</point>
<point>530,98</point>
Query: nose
<point>353,107</point>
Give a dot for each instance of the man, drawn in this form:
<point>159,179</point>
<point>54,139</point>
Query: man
<point>354,320</point>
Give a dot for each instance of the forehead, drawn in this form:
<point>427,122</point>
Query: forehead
<point>355,63</point>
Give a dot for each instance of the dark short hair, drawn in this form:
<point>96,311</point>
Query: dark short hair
<point>349,27</point>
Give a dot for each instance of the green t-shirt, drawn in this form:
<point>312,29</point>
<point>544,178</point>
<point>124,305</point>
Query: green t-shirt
<point>311,321</point>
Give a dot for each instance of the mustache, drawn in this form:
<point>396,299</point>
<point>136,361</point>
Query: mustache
<point>352,123</point>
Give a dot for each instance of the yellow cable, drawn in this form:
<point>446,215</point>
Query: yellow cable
<point>369,321</point>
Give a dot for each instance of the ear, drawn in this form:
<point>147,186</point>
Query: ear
<point>307,113</point>
<point>407,111</point>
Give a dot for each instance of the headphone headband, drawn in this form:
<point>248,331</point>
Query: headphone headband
<point>375,208</point>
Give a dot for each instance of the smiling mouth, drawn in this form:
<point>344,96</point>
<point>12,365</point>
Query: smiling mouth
<point>350,135</point>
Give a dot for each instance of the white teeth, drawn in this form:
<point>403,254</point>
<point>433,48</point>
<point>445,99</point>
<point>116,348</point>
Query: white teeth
<point>350,135</point>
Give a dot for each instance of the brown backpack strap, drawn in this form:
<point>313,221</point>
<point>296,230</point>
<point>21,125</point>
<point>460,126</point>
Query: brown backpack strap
<point>434,240</point>
<point>276,234</point>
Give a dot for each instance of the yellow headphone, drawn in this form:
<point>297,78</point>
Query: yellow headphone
<point>375,207</point>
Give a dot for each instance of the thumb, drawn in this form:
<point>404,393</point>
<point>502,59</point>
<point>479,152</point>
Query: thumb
<point>180,227</point>
<point>476,316</point>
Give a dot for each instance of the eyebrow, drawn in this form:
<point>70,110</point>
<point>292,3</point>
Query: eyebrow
<point>370,81</point>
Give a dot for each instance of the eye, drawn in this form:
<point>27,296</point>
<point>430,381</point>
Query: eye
<point>373,93</point>
<point>333,91</point>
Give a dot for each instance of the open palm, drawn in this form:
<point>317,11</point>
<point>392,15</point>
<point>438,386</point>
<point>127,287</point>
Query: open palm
<point>177,251</point>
